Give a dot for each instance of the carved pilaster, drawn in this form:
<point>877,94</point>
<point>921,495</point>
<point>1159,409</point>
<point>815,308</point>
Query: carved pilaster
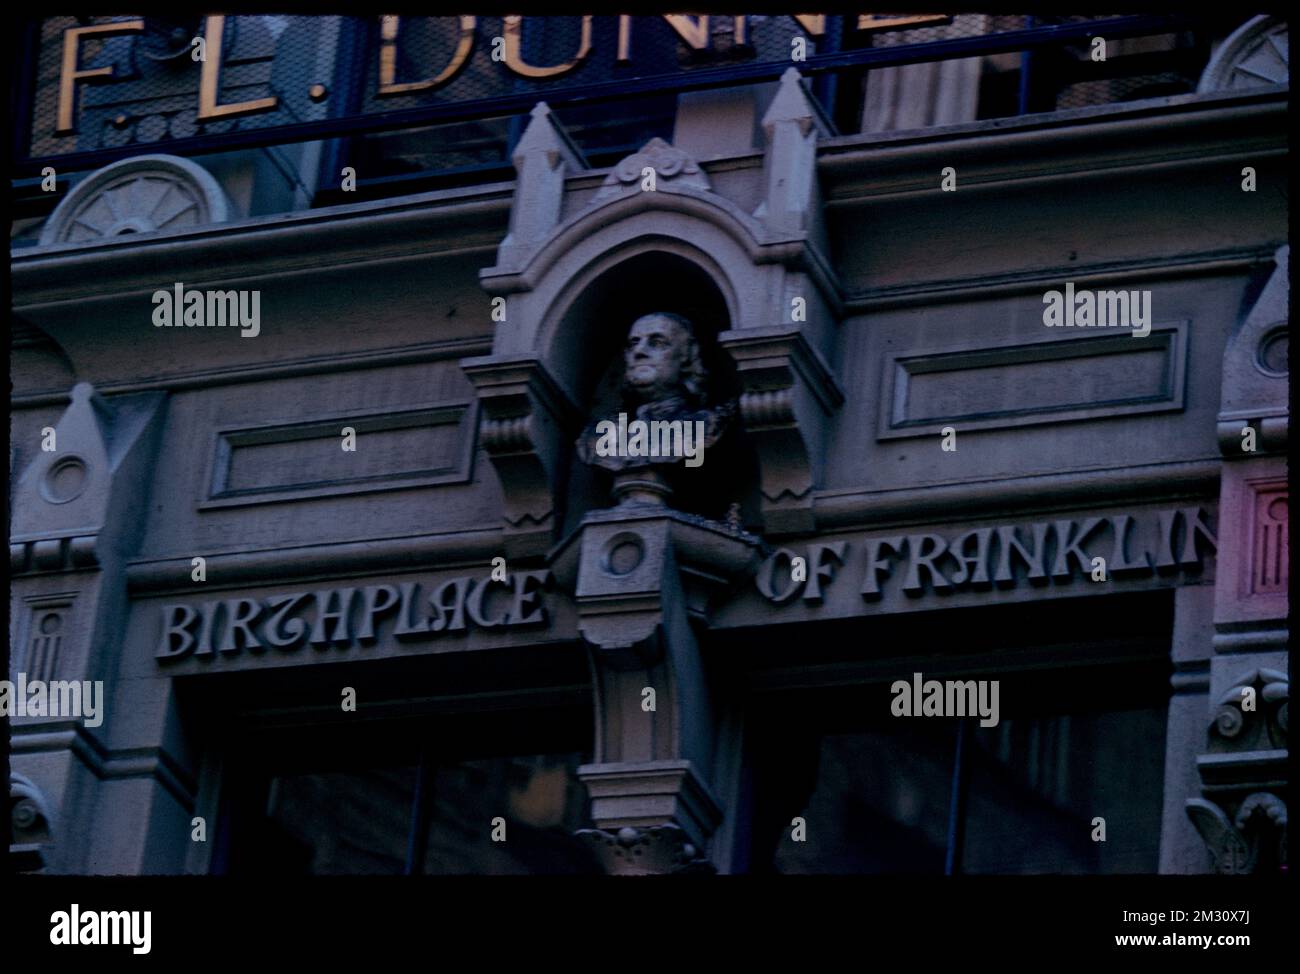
<point>77,511</point>
<point>523,428</point>
<point>789,395</point>
<point>1243,771</point>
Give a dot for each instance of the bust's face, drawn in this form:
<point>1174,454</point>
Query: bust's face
<point>657,349</point>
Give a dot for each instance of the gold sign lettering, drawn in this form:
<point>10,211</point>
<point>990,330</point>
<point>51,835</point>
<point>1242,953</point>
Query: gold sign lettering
<point>516,63</point>
<point>70,75</point>
<point>210,80</point>
<point>879,22</point>
<point>692,29</point>
<point>388,83</point>
<point>814,24</point>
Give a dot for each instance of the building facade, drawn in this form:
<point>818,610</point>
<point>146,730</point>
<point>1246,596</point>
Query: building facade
<point>297,493</point>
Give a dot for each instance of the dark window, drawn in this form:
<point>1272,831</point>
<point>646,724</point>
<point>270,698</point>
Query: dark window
<point>885,794</point>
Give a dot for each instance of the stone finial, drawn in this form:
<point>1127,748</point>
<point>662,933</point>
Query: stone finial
<point>543,158</point>
<point>793,104</point>
<point>792,125</point>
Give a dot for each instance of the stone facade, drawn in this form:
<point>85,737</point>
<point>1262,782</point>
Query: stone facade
<point>925,477</point>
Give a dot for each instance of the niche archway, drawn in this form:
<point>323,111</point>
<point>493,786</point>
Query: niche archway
<point>584,349</point>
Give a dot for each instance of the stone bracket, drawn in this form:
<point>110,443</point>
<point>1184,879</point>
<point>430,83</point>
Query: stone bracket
<point>789,393</point>
<point>623,563</point>
<point>525,419</point>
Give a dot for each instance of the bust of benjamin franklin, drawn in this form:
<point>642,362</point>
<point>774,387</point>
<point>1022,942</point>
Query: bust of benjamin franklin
<point>664,379</point>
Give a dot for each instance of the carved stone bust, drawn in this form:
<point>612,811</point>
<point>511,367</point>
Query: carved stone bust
<point>666,422</point>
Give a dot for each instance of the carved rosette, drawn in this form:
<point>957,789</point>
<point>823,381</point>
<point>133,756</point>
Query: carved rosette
<point>143,194</point>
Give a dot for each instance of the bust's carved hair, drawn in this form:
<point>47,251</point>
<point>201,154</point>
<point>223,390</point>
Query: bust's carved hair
<point>695,376</point>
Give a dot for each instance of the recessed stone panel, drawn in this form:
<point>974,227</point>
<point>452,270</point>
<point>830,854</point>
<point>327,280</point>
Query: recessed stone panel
<point>982,387</point>
<point>409,448</point>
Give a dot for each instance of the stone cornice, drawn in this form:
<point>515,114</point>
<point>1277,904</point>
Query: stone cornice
<point>473,547</point>
<point>853,507</point>
<point>444,223</point>
<point>999,154</point>
<point>36,737</point>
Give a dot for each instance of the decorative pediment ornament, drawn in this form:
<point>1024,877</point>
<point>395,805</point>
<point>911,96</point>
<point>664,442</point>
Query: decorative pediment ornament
<point>1256,370</point>
<point>138,195</point>
<point>1256,53</point>
<point>672,167</point>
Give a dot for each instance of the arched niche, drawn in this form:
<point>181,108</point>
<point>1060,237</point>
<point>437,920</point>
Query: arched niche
<point>583,344</point>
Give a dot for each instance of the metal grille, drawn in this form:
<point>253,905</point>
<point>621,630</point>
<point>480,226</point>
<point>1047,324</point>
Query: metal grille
<point>326,73</point>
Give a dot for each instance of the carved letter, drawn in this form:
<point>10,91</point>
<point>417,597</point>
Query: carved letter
<point>178,620</point>
<point>528,609</point>
<point>1008,542</point>
<point>240,613</point>
<point>1066,546</point>
<point>373,608</point>
<point>824,558</point>
<point>339,616</point>
<point>918,559</point>
<point>279,635</point>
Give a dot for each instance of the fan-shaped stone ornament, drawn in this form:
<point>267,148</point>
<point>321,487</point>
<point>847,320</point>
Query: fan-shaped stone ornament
<point>1256,53</point>
<point>139,195</point>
